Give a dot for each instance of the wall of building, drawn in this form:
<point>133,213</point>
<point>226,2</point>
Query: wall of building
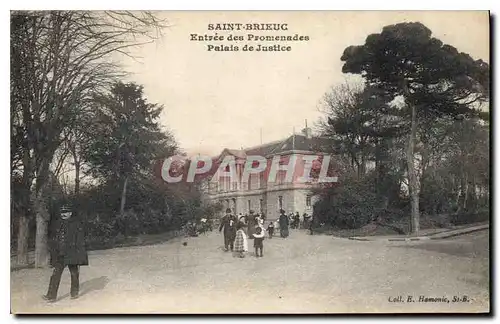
<point>243,203</point>
<point>301,201</point>
<point>288,202</point>
<point>294,195</point>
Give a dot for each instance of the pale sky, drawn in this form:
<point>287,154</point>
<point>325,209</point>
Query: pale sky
<point>215,100</point>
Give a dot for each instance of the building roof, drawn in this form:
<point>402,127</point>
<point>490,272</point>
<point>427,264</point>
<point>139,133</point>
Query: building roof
<point>236,153</point>
<point>295,142</point>
<point>263,149</point>
<point>302,143</point>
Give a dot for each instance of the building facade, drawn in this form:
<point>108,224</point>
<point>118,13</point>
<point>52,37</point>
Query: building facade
<point>261,193</point>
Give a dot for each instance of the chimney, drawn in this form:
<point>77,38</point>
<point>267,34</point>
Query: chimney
<point>307,131</point>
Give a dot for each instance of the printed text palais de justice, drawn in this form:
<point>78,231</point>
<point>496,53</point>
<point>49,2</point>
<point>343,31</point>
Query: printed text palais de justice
<point>252,37</point>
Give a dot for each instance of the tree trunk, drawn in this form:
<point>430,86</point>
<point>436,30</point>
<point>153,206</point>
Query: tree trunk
<point>383,181</point>
<point>77,178</point>
<point>466,192</point>
<point>24,217</point>
<point>124,196</point>
<point>462,192</point>
<point>412,177</point>
<point>362,167</point>
<point>43,191</point>
<point>41,244</point>
<point>22,239</point>
<point>41,239</point>
<point>474,193</point>
<point>423,177</point>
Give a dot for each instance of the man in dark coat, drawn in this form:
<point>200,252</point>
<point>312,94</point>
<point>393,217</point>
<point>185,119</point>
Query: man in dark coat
<point>252,222</point>
<point>284,222</point>
<point>67,247</point>
<point>228,224</point>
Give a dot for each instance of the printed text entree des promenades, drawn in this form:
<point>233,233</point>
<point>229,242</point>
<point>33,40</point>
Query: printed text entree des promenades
<point>231,42</point>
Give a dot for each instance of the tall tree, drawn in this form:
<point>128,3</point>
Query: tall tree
<point>58,60</point>
<point>362,125</point>
<point>432,78</point>
<point>128,138</point>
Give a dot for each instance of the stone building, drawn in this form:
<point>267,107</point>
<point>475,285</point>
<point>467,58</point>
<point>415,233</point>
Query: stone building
<point>260,193</point>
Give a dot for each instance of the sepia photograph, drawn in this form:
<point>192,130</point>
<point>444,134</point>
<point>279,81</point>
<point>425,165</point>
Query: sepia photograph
<point>250,162</point>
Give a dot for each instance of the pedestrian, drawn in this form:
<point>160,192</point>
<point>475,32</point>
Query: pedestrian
<point>296,220</point>
<point>270,229</point>
<point>67,248</point>
<point>311,227</point>
<point>260,220</point>
<point>305,220</point>
<point>258,241</point>
<point>228,224</point>
<point>252,223</point>
<point>240,243</point>
<point>284,222</point>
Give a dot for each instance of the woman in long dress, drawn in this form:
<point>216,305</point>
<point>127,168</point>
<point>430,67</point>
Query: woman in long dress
<point>284,222</point>
<point>240,243</point>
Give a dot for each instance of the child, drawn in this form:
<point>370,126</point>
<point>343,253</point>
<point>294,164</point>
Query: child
<point>270,229</point>
<point>258,241</point>
<point>240,242</point>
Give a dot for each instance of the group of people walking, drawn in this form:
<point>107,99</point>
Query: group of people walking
<point>236,238</point>
<point>237,231</point>
<point>295,222</point>
<point>68,248</point>
<point>292,221</point>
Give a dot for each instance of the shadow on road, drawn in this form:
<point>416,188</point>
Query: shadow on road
<point>94,284</point>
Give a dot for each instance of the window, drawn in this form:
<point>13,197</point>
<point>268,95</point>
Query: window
<point>280,202</point>
<point>262,205</point>
<point>280,176</point>
<point>249,205</point>
<point>308,201</point>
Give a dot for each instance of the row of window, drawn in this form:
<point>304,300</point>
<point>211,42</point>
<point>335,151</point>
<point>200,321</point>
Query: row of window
<point>280,201</point>
<point>254,182</point>
<point>261,203</point>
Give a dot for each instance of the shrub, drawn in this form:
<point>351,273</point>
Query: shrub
<point>352,204</point>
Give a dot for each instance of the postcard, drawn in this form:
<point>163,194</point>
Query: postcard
<point>250,162</point>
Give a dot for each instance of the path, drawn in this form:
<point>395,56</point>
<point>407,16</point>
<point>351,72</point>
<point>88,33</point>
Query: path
<point>299,274</point>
